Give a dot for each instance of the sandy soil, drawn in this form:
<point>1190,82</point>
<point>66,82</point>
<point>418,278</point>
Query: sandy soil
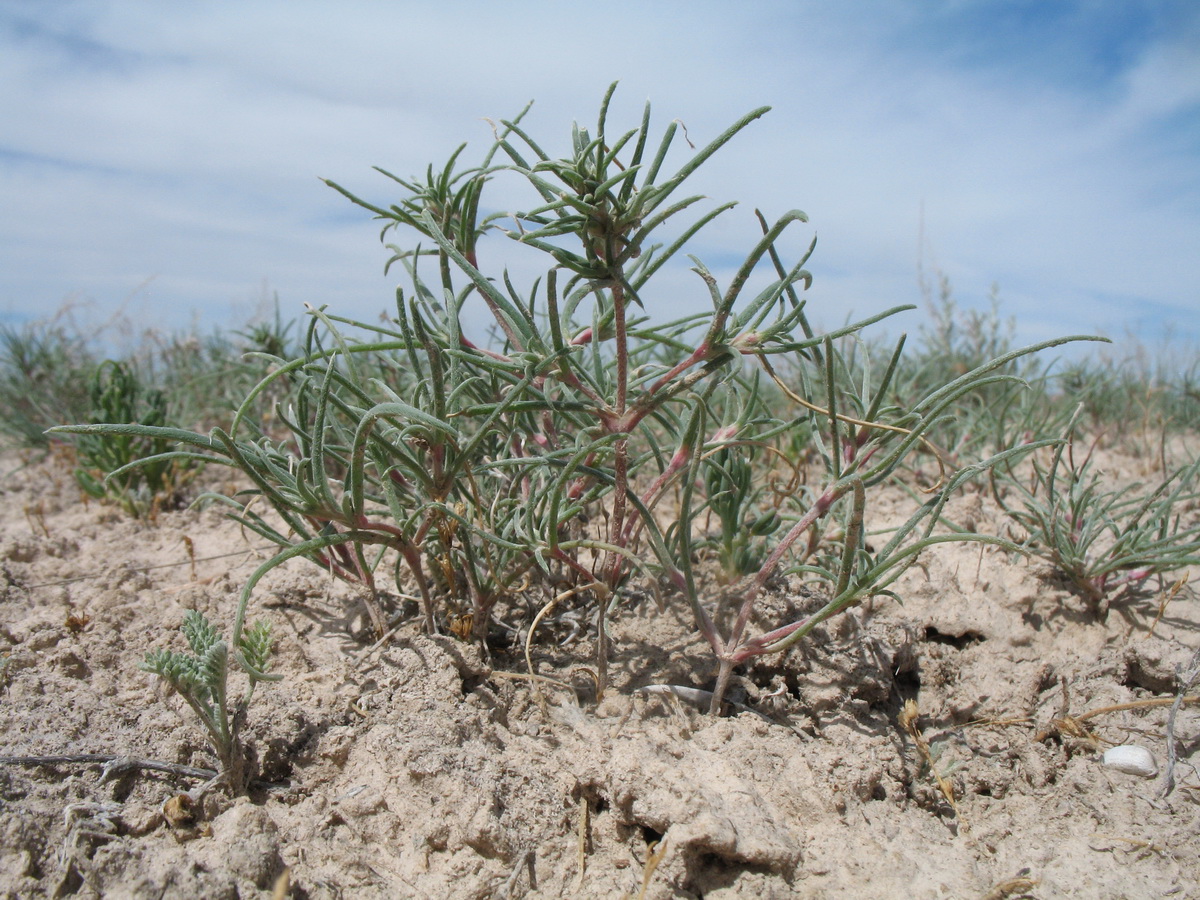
<point>420,769</point>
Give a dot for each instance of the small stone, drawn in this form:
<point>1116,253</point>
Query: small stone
<point>1131,759</point>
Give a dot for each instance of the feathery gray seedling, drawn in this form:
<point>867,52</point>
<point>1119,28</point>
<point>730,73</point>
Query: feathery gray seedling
<point>201,678</point>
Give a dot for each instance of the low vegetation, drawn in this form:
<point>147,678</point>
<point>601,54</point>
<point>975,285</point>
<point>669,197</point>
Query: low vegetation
<point>592,449</point>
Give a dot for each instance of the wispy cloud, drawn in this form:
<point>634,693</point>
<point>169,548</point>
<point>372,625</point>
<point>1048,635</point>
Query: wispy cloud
<point>1050,147</point>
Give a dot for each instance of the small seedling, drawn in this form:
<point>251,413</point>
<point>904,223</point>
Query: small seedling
<point>746,520</point>
<point>201,676</point>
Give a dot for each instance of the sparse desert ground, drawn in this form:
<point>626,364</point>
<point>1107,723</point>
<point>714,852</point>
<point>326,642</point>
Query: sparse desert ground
<point>417,767</point>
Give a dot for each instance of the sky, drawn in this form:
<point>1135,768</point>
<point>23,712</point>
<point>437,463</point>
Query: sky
<point>161,162</point>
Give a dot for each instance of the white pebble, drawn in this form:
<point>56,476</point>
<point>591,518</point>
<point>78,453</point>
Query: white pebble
<point>1131,759</point>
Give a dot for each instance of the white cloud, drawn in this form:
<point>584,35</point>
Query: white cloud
<point>182,142</point>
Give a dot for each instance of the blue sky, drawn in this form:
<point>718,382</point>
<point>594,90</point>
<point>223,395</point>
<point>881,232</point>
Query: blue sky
<point>163,159</point>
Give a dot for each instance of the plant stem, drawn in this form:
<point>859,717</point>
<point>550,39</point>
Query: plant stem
<point>724,672</point>
<point>616,563</point>
<point>731,653</point>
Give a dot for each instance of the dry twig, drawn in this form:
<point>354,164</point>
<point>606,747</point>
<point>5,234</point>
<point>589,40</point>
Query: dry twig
<point>113,765</point>
<point>1187,676</point>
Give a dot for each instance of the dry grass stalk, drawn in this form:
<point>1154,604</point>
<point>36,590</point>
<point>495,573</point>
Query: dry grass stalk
<point>908,721</point>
